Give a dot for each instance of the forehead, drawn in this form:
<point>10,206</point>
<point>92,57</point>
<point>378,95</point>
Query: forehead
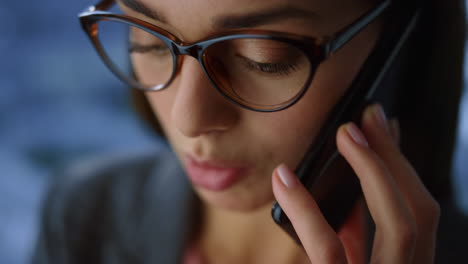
<point>195,19</point>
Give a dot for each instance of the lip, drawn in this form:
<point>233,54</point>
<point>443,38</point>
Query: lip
<point>213,175</point>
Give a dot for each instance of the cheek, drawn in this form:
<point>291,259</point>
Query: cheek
<point>161,104</point>
<point>286,135</point>
<point>291,131</point>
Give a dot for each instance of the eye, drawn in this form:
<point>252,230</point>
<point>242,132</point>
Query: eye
<point>273,68</point>
<point>143,42</point>
<point>155,49</point>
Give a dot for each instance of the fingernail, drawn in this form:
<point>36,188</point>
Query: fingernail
<point>286,176</point>
<point>380,117</point>
<point>356,134</point>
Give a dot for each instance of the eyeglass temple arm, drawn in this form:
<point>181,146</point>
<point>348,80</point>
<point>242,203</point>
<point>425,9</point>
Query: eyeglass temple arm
<point>351,31</point>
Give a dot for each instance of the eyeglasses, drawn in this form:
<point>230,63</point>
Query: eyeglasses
<point>259,70</point>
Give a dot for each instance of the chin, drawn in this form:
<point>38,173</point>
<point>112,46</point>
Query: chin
<point>235,201</point>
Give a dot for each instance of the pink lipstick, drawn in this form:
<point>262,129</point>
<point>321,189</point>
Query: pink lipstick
<point>212,175</point>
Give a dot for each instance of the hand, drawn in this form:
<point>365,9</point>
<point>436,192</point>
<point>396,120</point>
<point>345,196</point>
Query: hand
<point>405,214</point>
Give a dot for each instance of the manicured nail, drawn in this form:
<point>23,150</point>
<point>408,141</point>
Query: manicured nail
<point>356,134</point>
<point>380,116</point>
<point>286,176</point>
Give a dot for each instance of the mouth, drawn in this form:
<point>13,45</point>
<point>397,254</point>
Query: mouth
<point>213,175</point>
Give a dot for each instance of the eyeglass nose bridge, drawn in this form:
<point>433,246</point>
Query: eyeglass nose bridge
<point>193,50</point>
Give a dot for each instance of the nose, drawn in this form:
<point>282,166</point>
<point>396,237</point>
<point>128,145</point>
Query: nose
<point>198,108</point>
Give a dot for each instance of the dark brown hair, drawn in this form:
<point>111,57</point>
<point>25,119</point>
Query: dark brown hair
<point>427,96</point>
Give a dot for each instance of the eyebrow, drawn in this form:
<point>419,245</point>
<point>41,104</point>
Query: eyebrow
<point>262,17</point>
<point>234,21</point>
<point>141,8</point>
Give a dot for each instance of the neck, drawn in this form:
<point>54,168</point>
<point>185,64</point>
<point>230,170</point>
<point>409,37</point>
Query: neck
<point>245,237</point>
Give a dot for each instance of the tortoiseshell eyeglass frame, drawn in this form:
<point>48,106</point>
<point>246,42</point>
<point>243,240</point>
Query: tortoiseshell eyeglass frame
<point>317,50</point>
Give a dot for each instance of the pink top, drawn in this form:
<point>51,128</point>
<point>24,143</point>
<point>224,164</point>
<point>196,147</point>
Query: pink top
<point>192,256</point>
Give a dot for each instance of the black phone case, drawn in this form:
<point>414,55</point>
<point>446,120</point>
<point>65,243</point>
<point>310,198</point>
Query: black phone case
<point>323,171</point>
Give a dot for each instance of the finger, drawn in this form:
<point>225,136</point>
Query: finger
<point>395,130</point>
<point>353,234</point>
<point>394,224</point>
<point>319,240</point>
<point>376,129</point>
<point>422,205</point>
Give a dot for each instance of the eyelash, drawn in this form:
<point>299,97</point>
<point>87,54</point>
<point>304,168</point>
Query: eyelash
<point>138,48</point>
<point>280,69</point>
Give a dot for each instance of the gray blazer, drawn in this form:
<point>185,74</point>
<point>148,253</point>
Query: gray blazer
<point>117,210</point>
<point>140,209</point>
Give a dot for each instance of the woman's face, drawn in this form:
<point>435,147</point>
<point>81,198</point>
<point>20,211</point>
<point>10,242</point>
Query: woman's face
<point>229,152</point>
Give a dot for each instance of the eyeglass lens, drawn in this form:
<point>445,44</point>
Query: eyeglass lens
<point>259,73</point>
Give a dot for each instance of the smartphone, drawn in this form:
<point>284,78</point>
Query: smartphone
<point>327,176</point>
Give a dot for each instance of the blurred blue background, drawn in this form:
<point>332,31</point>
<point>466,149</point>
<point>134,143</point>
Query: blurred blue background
<point>58,103</point>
